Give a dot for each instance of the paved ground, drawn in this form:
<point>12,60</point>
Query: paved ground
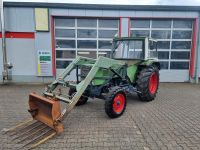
<point>171,121</point>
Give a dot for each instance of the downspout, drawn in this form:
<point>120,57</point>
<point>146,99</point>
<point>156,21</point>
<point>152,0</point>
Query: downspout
<point>6,65</point>
<point>197,53</point>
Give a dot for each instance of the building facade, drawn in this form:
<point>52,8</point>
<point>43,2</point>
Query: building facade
<point>87,30</point>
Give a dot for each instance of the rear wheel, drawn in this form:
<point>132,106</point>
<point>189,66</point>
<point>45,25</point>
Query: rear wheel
<point>81,101</point>
<point>115,104</point>
<point>147,83</point>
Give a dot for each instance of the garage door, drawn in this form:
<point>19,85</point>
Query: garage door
<point>174,45</point>
<point>90,37</point>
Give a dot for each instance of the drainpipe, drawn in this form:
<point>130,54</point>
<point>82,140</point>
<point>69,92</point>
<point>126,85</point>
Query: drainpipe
<point>6,65</point>
<point>198,52</point>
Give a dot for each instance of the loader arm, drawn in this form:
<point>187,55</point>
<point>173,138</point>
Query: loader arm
<point>101,62</point>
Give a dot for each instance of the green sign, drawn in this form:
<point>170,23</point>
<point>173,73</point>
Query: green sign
<point>44,63</point>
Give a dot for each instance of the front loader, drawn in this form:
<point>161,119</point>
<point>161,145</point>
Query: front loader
<point>131,68</point>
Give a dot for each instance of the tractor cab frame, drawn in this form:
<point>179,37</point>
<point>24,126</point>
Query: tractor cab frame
<point>140,48</point>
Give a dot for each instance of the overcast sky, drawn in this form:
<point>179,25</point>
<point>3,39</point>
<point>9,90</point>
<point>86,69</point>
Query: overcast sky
<point>125,2</point>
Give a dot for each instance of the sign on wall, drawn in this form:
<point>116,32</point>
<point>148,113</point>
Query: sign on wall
<point>41,19</point>
<point>44,63</point>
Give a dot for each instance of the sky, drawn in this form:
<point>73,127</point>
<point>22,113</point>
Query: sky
<point>122,2</point>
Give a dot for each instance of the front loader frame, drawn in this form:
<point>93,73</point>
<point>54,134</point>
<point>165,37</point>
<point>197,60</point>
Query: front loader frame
<point>101,62</point>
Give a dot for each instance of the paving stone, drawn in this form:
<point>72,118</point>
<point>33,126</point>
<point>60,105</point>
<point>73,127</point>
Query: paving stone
<point>171,121</point>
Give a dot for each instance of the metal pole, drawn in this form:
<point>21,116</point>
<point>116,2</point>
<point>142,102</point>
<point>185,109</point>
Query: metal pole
<point>3,42</point>
<point>6,65</point>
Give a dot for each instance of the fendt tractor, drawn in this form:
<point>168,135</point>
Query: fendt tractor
<point>132,67</point>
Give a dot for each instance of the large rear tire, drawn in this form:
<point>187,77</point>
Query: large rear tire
<point>83,100</point>
<point>147,83</point>
<point>115,103</point>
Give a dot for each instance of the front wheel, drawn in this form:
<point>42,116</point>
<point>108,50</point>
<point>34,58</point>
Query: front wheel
<point>115,104</point>
<point>147,83</point>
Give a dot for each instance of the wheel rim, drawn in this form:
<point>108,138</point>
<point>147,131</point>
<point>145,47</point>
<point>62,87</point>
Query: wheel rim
<point>153,83</point>
<point>118,103</point>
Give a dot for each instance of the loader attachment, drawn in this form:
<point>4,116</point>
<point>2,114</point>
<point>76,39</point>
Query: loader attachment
<point>46,110</point>
<point>42,126</point>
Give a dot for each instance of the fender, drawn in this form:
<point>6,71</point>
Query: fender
<point>150,62</point>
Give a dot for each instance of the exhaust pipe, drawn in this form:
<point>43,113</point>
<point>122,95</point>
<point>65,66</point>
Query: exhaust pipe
<point>6,65</point>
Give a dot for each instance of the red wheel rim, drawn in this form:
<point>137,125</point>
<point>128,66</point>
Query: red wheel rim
<point>118,103</point>
<point>153,83</point>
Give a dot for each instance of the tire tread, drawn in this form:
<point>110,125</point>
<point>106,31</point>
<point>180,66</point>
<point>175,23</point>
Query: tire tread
<point>143,82</point>
<point>109,102</point>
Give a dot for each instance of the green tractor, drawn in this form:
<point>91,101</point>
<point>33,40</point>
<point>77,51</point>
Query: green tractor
<point>131,68</point>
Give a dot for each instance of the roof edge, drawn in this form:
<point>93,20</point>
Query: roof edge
<point>102,6</point>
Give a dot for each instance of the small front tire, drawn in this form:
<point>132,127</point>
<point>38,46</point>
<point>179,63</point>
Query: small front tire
<point>115,104</point>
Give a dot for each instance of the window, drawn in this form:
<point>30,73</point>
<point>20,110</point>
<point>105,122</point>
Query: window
<point>65,43</point>
<point>140,33</point>
<point>161,23</point>
<point>182,34</point>
<point>159,34</point>
<point>180,55</point>
<point>164,64</point>
<point>65,22</point>
<point>128,49</point>
<point>136,45</point>
<point>182,23</point>
<point>86,33</point>
<point>179,65</point>
<point>91,54</point>
<point>108,23</point>
<point>87,23</point>
<point>107,33</point>
<point>181,45</point>
<point>163,44</point>
<point>140,23</point>
<point>60,64</point>
<point>105,44</point>
<point>65,33</point>
<point>163,55</point>
<point>87,44</point>
<point>65,54</point>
